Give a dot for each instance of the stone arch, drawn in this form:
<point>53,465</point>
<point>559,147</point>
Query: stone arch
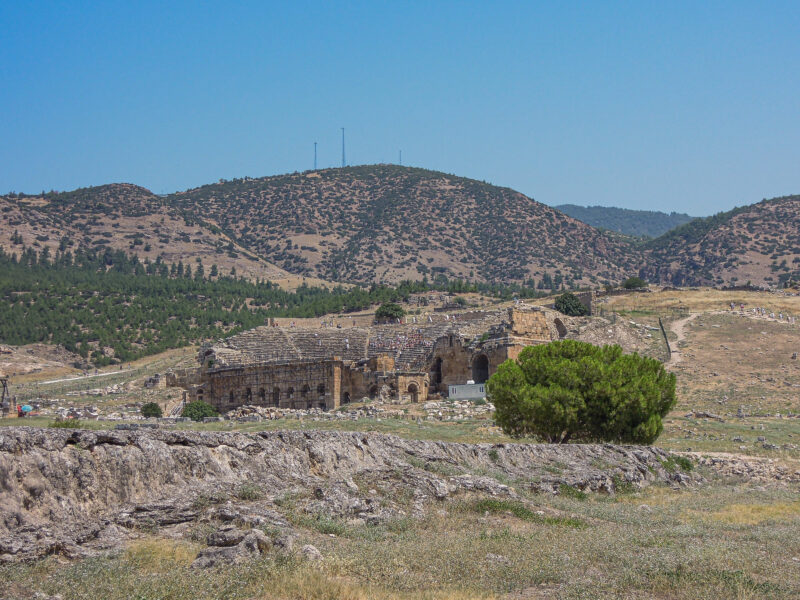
<point>413,391</point>
<point>230,398</point>
<point>276,396</point>
<point>374,392</point>
<point>480,368</point>
<point>346,398</point>
<point>305,396</point>
<point>248,396</point>
<point>561,328</point>
<point>262,396</point>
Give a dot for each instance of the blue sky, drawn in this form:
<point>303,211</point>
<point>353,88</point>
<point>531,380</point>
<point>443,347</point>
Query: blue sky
<point>693,106</point>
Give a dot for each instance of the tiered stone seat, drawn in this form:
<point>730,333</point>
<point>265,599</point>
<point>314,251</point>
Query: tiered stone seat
<point>264,344</point>
<point>348,343</point>
<point>279,344</point>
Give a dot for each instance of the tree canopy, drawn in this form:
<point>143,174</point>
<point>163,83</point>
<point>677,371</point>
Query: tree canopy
<point>632,283</point>
<point>574,391</point>
<point>390,310</point>
<point>198,410</point>
<point>568,304</point>
<point>151,409</point>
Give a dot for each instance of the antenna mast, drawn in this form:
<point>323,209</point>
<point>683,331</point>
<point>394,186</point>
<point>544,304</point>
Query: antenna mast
<point>400,157</point>
<point>344,162</point>
<point>315,156</point>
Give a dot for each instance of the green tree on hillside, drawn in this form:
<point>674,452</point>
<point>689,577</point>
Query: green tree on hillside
<point>390,310</point>
<point>568,304</point>
<point>632,283</point>
<point>574,391</point>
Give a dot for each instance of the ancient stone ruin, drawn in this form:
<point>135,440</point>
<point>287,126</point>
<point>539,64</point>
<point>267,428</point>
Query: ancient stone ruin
<point>304,368</point>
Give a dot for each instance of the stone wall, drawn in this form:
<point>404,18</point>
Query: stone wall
<point>310,384</point>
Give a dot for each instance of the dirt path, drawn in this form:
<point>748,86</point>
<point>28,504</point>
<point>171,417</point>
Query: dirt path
<point>679,329</point>
<point>83,377</point>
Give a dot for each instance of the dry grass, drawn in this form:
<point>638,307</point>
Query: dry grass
<point>715,541</point>
<point>702,300</point>
<point>755,514</point>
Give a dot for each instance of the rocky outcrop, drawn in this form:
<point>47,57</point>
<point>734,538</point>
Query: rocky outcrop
<point>74,491</point>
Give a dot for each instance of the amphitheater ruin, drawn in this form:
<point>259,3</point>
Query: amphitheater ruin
<point>325,367</point>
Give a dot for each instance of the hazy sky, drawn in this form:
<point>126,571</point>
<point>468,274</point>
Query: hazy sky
<point>693,107</point>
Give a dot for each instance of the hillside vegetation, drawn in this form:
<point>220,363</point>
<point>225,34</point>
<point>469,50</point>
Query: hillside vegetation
<point>386,224</point>
<point>759,244</point>
<point>379,223</point>
<point>129,218</point>
<point>635,223</point>
<point>109,307</point>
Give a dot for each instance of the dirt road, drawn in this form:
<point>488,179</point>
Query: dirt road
<point>679,329</point>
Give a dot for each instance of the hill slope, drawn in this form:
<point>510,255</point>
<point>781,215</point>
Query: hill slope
<point>124,217</point>
<point>386,223</point>
<point>759,243</point>
<point>636,223</point>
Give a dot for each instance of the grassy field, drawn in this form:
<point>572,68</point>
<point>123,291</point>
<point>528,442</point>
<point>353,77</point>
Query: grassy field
<point>715,541</point>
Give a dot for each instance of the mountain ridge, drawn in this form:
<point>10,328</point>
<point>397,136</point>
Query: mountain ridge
<point>635,223</point>
<point>385,223</point>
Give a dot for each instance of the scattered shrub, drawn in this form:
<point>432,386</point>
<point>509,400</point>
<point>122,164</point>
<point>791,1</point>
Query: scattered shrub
<point>66,424</point>
<point>151,409</point>
<point>633,283</point>
<point>199,410</point>
<point>248,491</point>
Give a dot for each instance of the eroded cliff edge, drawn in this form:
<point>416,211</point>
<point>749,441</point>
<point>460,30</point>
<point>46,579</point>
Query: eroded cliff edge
<point>75,492</point>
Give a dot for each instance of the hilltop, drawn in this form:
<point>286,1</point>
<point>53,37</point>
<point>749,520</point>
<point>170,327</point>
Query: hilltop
<point>385,223</point>
<point>759,244</point>
<point>635,223</point>
<point>378,223</point>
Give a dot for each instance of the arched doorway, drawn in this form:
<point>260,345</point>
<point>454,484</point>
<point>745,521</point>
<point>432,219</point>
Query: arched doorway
<point>276,396</point>
<point>437,372</point>
<point>480,368</point>
<point>304,396</point>
<point>374,391</point>
<point>262,396</point>
<point>561,328</point>
<point>413,391</point>
<point>346,398</point>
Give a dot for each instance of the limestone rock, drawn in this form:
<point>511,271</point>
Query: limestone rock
<point>311,553</point>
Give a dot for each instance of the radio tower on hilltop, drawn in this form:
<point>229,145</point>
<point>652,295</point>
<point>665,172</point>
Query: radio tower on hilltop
<point>344,162</point>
